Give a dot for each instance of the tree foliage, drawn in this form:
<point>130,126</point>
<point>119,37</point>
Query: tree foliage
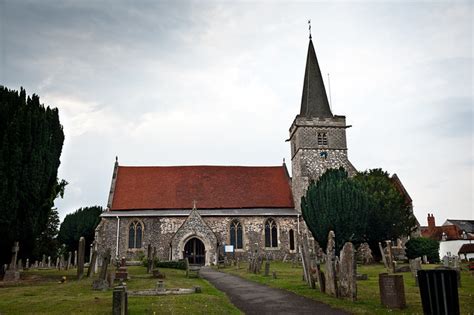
<point>417,247</point>
<point>365,208</point>
<point>31,140</point>
<point>80,223</point>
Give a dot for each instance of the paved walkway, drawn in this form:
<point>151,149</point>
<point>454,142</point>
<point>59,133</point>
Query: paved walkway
<point>254,298</point>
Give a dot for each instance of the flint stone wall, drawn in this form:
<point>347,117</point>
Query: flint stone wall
<point>159,232</point>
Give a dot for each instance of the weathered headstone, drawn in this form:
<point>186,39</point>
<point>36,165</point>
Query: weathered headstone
<point>319,277</point>
<point>101,283</point>
<point>383,255</point>
<point>12,274</point>
<point>392,290</point>
<point>415,265</point>
<point>347,275</point>
<point>49,261</point>
<point>90,253</point>
<point>75,258</point>
<point>43,262</point>
<point>121,272</point>
<point>390,259</point>
<point>331,284</point>
<point>364,254</point>
<point>110,278</point>
<point>120,301</point>
<point>68,265</point>
<point>27,266</point>
<point>20,265</point>
<point>267,268</point>
<point>80,258</point>
<point>57,263</point>
<point>92,264</point>
<point>150,259</point>
<point>446,261</point>
<point>425,259</point>
<point>305,259</point>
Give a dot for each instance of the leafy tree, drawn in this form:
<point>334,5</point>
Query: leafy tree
<point>31,140</point>
<point>417,247</point>
<point>365,208</point>
<point>80,223</point>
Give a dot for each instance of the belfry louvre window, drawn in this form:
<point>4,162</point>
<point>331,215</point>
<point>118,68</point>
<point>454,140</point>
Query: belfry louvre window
<point>271,233</point>
<point>135,233</point>
<point>322,138</point>
<point>236,234</point>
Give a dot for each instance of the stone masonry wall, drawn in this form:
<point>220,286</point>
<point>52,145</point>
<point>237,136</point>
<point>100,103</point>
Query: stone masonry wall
<point>159,231</point>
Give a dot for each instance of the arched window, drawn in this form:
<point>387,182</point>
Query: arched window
<point>271,233</point>
<point>236,234</point>
<point>135,235</point>
<point>292,240</point>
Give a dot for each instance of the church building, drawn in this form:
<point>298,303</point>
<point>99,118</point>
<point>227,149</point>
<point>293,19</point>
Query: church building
<point>193,211</point>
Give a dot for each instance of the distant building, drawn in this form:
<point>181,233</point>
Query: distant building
<point>452,235</point>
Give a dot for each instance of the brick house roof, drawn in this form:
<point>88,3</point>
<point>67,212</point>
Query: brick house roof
<point>466,249</point>
<point>212,187</point>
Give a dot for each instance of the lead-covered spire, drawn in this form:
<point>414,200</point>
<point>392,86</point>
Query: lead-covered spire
<point>314,102</point>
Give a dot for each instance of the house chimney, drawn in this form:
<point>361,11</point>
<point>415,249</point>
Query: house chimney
<point>431,221</point>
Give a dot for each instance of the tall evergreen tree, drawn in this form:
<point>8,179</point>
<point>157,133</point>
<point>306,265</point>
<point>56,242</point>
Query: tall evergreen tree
<point>80,223</point>
<point>31,140</point>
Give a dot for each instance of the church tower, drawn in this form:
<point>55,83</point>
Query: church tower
<point>317,137</point>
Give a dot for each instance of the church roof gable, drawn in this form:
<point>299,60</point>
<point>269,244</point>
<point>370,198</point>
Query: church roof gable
<point>212,187</point>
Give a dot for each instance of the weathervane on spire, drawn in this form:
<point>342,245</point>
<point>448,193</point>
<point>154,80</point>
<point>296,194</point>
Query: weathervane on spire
<point>309,26</point>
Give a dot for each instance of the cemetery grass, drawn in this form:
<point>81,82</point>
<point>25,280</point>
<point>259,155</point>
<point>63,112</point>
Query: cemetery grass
<point>368,298</point>
<point>39,292</point>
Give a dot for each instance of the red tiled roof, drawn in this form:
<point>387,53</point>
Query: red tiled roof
<point>213,187</point>
<point>466,249</point>
<point>452,232</point>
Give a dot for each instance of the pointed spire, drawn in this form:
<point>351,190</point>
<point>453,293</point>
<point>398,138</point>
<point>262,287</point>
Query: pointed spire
<point>314,102</point>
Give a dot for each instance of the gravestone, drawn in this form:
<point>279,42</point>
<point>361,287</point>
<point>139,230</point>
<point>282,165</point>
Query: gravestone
<point>75,258</point>
<point>110,278</point>
<point>425,259</point>
<point>392,291</point>
<point>49,261</point>
<point>320,277</point>
<point>68,265</point>
<point>80,258</point>
<point>331,284</point>
<point>364,254</point>
<point>121,272</point>
<point>383,255</point>
<point>446,261</point>
<point>390,260</point>
<point>150,260</point>
<point>415,265</point>
<point>57,262</point>
<point>101,283</point>
<point>305,259</point>
<point>27,266</point>
<point>347,275</point>
<point>90,253</point>
<point>20,265</point>
<point>12,274</point>
<point>61,262</point>
<point>92,264</point>
<point>43,262</point>
<point>120,301</point>
<point>458,273</point>
<point>267,268</point>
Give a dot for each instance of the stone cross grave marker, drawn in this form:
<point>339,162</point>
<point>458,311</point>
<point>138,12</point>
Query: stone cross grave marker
<point>348,272</point>
<point>12,274</point>
<point>80,258</point>
<point>331,285</point>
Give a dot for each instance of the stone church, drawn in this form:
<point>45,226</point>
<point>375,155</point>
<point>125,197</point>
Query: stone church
<point>194,211</point>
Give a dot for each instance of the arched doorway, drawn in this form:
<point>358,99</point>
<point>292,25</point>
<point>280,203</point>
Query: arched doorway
<point>195,251</point>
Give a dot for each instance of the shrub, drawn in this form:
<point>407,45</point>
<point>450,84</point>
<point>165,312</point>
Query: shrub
<point>175,264</point>
<point>417,247</point>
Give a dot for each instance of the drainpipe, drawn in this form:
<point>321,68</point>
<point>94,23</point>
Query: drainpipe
<point>117,244</point>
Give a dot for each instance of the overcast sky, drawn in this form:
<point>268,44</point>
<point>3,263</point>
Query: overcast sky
<point>219,83</point>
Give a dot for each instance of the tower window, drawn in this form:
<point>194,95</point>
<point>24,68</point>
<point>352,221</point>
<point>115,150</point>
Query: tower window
<point>322,138</point>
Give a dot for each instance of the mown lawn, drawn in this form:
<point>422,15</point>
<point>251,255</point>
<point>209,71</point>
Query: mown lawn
<point>40,293</point>
<point>368,302</point>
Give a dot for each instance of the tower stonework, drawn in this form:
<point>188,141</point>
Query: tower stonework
<point>317,137</point>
